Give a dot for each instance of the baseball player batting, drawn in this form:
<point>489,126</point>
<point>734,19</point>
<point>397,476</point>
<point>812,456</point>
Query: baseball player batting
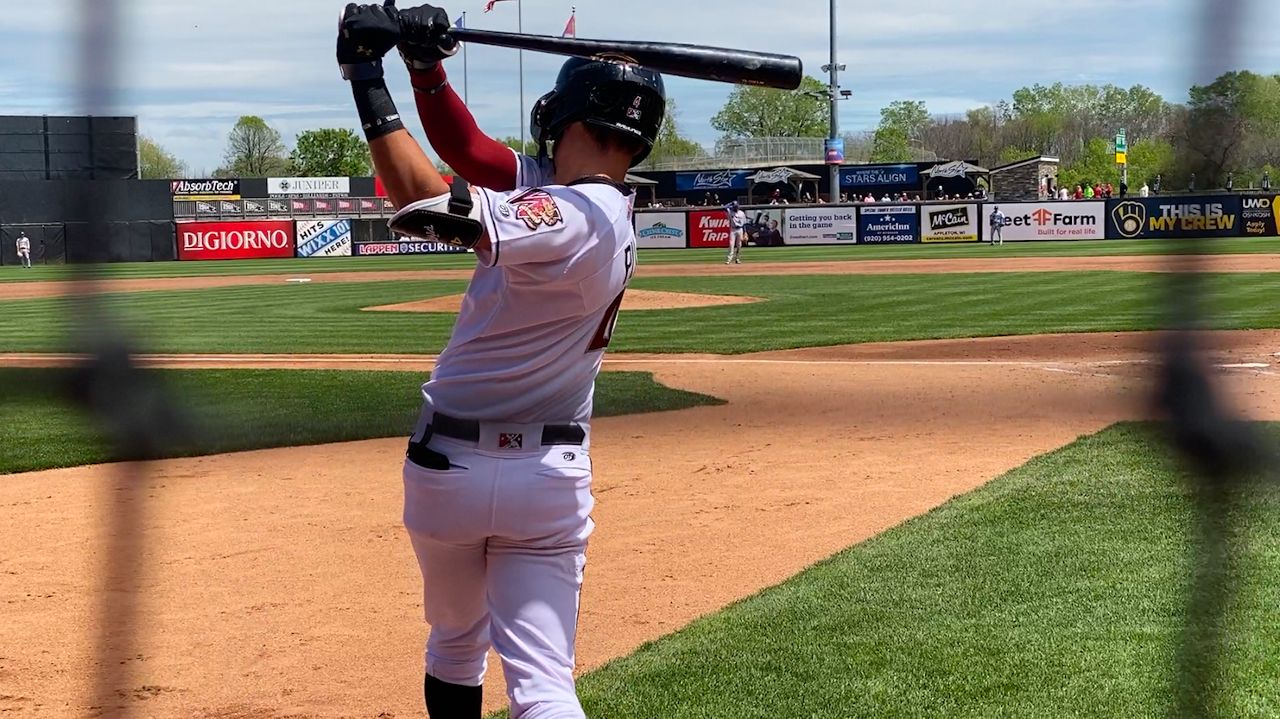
<point>497,477</point>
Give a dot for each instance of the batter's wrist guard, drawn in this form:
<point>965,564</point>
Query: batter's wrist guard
<point>378,113</point>
<point>452,218</point>
<point>361,71</point>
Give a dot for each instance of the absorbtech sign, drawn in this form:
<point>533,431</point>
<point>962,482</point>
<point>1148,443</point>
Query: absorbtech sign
<point>1050,220</point>
<point>235,240</point>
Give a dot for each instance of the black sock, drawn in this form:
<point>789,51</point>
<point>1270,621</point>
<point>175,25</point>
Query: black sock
<point>451,701</point>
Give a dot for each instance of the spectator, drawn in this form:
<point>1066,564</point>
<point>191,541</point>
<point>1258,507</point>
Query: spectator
<point>1191,184</point>
<point>886,198</point>
<point>869,198</point>
<point>1124,189</point>
<point>1266,181</point>
<point>1108,191</point>
<point>822,200</point>
<point>1155,186</point>
<point>1144,191</point>
<point>1064,193</point>
<point>1231,181</point>
<point>1079,194</point>
<point>776,197</point>
<point>808,199</point>
<point>769,236</point>
<point>715,200</point>
<point>1089,193</point>
<point>844,197</point>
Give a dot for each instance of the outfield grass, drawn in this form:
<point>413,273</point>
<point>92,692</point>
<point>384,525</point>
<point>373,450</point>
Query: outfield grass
<point>800,311</point>
<point>826,253</point>
<point>233,410</point>
<point>1058,590</point>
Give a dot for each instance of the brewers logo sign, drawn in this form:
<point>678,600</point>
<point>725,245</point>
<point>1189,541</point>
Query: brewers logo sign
<point>1206,216</point>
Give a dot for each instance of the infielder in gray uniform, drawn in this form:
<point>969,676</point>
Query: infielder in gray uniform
<point>497,477</point>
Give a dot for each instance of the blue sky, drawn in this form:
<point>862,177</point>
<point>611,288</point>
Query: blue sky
<point>190,67</point>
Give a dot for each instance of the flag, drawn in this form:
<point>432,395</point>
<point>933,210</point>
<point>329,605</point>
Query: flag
<point>571,27</point>
<point>489,5</point>
<point>459,24</point>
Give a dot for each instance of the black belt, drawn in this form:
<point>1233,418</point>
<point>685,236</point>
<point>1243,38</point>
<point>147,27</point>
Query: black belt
<point>468,430</point>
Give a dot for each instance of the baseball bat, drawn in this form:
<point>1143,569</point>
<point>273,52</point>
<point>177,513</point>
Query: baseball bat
<point>701,62</point>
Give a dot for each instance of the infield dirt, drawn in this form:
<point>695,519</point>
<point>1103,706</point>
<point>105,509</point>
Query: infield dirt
<point>279,583</point>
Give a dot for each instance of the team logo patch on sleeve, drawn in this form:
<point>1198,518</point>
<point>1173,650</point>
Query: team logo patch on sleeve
<point>536,209</point>
<point>510,440</point>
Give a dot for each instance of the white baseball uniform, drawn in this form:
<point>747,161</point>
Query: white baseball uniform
<point>24,250</point>
<point>737,226</point>
<point>499,520</point>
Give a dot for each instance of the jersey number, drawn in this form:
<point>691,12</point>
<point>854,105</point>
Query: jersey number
<point>605,333</point>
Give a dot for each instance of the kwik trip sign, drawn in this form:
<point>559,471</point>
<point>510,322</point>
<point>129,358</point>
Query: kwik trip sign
<point>205,189</point>
<point>309,186</point>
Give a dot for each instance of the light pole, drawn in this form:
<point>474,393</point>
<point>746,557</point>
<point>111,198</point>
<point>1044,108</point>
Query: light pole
<point>833,94</point>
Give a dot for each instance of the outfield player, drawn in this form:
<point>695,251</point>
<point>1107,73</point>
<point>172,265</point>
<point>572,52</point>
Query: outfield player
<point>497,477</point>
<point>737,232</point>
<point>24,249</point>
<point>998,221</point>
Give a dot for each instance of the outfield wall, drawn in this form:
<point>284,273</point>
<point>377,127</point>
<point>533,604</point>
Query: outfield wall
<point>1173,216</point>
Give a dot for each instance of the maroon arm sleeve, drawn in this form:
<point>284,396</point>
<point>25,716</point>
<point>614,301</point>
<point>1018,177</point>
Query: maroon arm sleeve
<point>456,138</point>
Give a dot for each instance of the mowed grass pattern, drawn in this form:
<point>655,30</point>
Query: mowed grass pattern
<point>822,253</point>
<point>801,311</point>
<point>235,410</point>
<point>1058,590</point>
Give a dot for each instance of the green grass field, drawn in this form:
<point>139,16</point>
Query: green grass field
<point>656,257</point>
<point>234,410</point>
<point>1057,590</point>
<point>800,311</point>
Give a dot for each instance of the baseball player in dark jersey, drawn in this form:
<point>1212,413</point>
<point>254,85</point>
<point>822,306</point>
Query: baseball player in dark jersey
<point>497,477</point>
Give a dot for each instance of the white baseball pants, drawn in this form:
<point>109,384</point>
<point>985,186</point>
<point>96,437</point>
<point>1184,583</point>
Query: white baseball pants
<point>501,541</point>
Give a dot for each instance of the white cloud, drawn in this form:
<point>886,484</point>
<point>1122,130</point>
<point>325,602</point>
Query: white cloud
<point>188,68</point>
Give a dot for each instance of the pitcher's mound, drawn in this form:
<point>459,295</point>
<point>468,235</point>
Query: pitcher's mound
<point>633,300</point>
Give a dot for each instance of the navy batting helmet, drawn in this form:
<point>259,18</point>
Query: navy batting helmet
<point>615,95</point>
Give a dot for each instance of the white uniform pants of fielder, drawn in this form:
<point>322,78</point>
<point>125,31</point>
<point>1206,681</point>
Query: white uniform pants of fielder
<point>501,540</point>
<point>736,238</point>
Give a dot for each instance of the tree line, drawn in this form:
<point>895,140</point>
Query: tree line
<point>256,149</point>
<point>1229,128</point>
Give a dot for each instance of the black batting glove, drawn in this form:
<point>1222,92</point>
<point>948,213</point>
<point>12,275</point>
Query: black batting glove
<point>424,37</point>
<point>365,34</point>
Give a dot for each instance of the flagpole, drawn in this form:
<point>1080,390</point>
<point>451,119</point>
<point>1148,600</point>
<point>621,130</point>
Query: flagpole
<point>520,29</point>
<point>465,85</point>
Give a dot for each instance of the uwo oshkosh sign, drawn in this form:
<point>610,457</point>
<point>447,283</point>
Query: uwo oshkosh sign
<point>1051,220</point>
<point>1214,216</point>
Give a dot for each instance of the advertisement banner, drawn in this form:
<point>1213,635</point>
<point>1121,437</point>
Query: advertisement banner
<point>231,207</point>
<point>764,227</point>
<point>820,225</point>
<point>721,180</point>
<point>709,228</point>
<point>1173,217</point>
<point>1260,215</point>
<point>880,175</point>
<point>254,207</point>
<point>205,189</point>
<point>206,209</point>
<point>250,239</point>
<point>370,205</point>
<point>888,224</point>
<point>323,206</point>
<point>302,205</point>
<point>309,186</point>
<point>277,207</point>
<point>1050,220</point>
<point>404,247</point>
<point>324,238</point>
<point>833,150</point>
<point>661,230</point>
<point>949,223</point>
